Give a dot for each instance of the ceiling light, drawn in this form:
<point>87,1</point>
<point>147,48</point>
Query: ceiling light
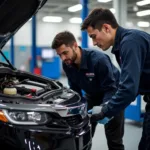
<point>75,8</point>
<point>143,24</point>
<point>143,13</point>
<point>75,20</point>
<point>104,1</point>
<point>142,3</point>
<point>52,19</point>
<point>135,8</point>
<point>112,10</point>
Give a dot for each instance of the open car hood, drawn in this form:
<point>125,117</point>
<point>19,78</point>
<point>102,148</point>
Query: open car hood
<point>14,14</point>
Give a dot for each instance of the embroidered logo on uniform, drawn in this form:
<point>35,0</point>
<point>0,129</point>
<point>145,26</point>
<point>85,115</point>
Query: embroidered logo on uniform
<point>90,75</point>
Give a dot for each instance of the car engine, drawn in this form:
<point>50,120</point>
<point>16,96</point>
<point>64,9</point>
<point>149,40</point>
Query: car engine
<point>22,87</point>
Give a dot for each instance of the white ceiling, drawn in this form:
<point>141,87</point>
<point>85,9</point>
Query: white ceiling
<point>59,8</point>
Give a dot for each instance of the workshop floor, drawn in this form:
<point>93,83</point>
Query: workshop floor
<point>131,138</point>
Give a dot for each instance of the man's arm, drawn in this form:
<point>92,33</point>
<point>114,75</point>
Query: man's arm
<point>133,55</point>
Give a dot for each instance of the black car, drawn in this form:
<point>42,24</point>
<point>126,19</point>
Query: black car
<point>36,113</point>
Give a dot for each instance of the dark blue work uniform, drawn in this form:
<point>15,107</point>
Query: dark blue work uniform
<point>132,50</point>
<point>98,77</point>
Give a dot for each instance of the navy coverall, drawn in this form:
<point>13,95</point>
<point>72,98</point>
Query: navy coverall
<point>132,51</point>
<point>98,77</point>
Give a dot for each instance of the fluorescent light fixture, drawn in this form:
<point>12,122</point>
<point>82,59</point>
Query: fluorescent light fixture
<point>142,3</point>
<point>112,10</point>
<point>104,1</point>
<point>143,24</point>
<point>75,8</point>
<point>143,13</point>
<point>52,19</point>
<point>75,20</point>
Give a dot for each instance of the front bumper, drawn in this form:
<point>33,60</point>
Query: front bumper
<point>28,138</point>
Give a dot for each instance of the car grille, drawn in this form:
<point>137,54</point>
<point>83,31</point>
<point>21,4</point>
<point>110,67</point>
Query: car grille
<point>74,120</point>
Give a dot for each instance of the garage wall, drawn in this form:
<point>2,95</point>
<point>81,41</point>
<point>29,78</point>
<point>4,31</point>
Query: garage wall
<point>45,33</point>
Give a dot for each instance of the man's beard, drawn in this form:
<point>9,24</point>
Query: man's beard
<point>71,60</point>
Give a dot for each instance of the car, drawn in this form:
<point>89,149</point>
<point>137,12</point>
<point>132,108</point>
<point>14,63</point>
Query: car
<point>36,113</point>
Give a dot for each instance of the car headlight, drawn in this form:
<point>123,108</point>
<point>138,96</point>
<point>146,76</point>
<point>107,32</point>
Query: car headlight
<point>82,110</point>
<point>25,118</point>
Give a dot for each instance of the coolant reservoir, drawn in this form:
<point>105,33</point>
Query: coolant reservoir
<point>10,91</point>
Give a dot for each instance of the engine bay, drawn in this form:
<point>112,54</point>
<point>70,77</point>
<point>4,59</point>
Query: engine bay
<point>21,87</point>
<point>11,85</point>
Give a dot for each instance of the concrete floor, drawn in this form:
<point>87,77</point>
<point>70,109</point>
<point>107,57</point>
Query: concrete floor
<point>133,132</point>
<point>131,138</point>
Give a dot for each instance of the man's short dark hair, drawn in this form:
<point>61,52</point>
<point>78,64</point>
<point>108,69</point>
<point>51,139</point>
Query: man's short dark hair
<point>98,17</point>
<point>61,38</point>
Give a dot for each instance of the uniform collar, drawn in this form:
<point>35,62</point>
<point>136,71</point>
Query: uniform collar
<point>118,38</point>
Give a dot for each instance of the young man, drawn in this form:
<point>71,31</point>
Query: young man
<point>132,50</point>
<point>93,72</point>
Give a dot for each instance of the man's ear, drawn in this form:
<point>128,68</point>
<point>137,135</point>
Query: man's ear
<point>106,28</point>
<point>75,44</point>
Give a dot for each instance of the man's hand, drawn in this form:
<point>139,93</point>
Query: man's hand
<point>98,116</point>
